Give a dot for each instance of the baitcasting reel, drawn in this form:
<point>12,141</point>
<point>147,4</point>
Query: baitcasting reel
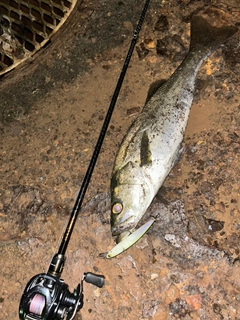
<point>46,297</point>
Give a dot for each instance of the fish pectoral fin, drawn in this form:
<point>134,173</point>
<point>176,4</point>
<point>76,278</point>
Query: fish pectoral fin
<point>145,151</point>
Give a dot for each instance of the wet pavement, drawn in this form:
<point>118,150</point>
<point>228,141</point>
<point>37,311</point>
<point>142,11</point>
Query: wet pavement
<point>51,112</point>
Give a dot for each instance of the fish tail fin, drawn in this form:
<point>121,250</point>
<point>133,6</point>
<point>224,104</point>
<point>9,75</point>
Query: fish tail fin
<point>205,37</point>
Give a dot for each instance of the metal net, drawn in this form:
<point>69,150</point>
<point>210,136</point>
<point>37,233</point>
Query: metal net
<point>26,25</point>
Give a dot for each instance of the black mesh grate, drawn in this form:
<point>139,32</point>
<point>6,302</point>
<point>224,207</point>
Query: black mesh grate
<point>26,25</point>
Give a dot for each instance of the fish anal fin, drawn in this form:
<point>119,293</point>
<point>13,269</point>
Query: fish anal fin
<point>145,151</point>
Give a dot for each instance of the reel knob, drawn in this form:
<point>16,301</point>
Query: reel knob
<point>95,279</point>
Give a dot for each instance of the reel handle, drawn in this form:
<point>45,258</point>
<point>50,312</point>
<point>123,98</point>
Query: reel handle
<point>94,279</point>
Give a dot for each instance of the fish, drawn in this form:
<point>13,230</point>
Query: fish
<point>151,146</point>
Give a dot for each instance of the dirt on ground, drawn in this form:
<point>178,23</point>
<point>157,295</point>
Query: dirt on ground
<point>51,111</point>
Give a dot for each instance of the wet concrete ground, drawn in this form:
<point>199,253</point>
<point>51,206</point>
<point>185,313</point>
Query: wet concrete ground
<point>52,109</point>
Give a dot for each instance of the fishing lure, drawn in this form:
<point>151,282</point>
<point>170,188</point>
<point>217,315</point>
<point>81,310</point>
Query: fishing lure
<point>128,241</point>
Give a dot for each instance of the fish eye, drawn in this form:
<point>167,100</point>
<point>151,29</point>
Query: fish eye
<point>117,208</point>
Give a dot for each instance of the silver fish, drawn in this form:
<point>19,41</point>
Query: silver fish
<point>151,146</point>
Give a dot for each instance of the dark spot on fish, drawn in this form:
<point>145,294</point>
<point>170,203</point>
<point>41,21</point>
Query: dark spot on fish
<point>190,91</point>
<point>145,152</point>
<point>179,106</point>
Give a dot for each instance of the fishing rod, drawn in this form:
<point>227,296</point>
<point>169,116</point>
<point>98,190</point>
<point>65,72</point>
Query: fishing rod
<point>46,296</point>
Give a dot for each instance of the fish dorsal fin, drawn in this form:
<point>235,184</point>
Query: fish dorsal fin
<point>153,88</point>
<point>145,151</point>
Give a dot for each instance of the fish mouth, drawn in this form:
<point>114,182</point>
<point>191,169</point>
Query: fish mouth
<point>122,230</point>
<point>123,227</point>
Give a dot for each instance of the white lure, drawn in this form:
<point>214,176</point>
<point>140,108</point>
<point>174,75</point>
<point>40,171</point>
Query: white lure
<point>129,240</point>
